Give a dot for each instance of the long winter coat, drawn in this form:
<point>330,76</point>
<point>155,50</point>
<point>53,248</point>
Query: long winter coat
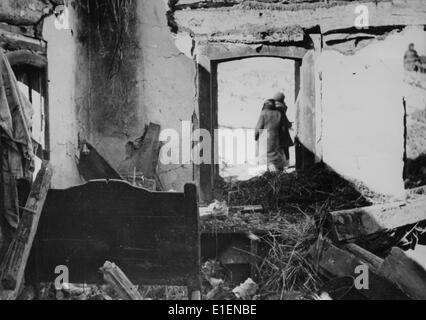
<point>270,120</point>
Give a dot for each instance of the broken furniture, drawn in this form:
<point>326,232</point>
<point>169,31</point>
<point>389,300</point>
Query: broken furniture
<point>152,236</point>
<point>12,269</point>
<point>116,278</point>
<point>381,229</point>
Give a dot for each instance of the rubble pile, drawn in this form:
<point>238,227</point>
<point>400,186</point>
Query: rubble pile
<point>287,197</point>
<point>300,210</point>
<point>288,192</point>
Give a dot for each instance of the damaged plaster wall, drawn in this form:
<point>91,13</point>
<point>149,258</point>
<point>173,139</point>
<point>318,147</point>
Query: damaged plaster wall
<point>363,112</point>
<point>123,81</point>
<point>62,59</point>
<point>107,102</point>
<point>167,83</point>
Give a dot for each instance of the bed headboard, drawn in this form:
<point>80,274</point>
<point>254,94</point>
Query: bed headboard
<point>152,236</point>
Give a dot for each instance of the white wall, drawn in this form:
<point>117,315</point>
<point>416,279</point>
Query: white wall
<point>363,131</point>
<point>61,55</point>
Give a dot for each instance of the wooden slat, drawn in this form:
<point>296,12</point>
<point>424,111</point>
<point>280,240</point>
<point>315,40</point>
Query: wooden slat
<point>361,222</point>
<point>406,273</point>
<point>15,261</point>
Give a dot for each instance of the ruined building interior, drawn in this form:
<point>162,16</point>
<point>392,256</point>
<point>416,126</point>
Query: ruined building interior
<point>127,140</point>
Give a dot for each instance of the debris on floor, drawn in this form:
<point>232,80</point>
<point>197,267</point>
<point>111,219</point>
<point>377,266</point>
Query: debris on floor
<point>115,277</point>
<point>246,290</point>
<point>299,209</point>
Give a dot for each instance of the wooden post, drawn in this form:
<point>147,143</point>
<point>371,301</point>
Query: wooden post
<point>12,269</point>
<point>116,278</point>
<point>193,240</point>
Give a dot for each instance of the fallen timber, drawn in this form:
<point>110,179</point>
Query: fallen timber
<point>12,269</point>
<point>354,224</point>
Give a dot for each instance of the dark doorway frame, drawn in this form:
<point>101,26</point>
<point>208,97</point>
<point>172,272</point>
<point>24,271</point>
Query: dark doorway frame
<point>209,56</point>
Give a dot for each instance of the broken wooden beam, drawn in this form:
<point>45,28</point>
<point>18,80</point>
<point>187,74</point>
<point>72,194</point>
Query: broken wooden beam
<point>407,274</point>
<point>12,269</point>
<point>334,262</point>
<point>116,278</point>
<point>359,223</point>
<point>247,209</point>
<point>373,261</point>
<point>11,42</point>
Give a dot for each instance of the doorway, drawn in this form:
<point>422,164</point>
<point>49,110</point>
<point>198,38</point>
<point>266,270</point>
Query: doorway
<point>242,87</point>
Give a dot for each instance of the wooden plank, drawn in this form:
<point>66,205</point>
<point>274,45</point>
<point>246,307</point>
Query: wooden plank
<point>26,57</point>
<point>28,31</point>
<point>372,260</point>
<point>361,222</point>
<point>334,262</point>
<point>406,273</point>
<point>247,209</point>
<point>12,41</point>
<point>15,261</point>
<point>116,278</point>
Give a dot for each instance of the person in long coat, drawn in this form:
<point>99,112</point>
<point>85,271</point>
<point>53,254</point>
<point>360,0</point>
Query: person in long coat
<point>270,122</point>
<point>286,142</point>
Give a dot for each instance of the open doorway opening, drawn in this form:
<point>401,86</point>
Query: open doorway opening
<point>242,87</point>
